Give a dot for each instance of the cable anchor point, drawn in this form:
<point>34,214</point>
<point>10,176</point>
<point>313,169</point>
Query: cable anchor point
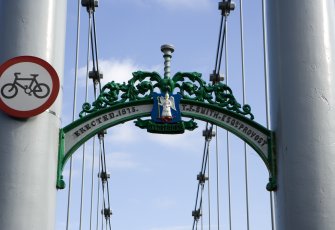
<point>95,75</point>
<point>201,177</point>
<point>107,212</point>
<point>90,4</point>
<point>101,134</point>
<point>196,214</point>
<point>226,7</point>
<point>167,51</point>
<point>216,77</point>
<point>104,176</point>
<point>208,133</point>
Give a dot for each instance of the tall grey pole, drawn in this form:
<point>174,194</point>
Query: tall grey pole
<point>301,49</point>
<point>28,147</point>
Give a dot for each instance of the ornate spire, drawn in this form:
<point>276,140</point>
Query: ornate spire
<point>167,51</point>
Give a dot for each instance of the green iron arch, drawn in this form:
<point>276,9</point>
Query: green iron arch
<point>119,103</point>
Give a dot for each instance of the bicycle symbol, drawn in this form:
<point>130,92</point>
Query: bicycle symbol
<point>40,90</point>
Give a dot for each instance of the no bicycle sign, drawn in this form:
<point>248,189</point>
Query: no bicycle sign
<point>28,86</point>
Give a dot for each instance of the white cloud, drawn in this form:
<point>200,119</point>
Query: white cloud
<point>190,4</point>
<point>172,228</point>
<point>121,161</point>
<point>123,133</point>
<point>182,141</point>
<point>117,70</point>
<point>116,160</point>
<point>174,4</point>
<point>129,134</point>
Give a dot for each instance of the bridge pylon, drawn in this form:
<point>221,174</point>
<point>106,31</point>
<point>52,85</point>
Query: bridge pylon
<point>301,53</point>
<point>28,147</point>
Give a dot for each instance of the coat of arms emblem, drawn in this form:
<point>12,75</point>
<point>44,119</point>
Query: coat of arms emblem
<point>166,108</point>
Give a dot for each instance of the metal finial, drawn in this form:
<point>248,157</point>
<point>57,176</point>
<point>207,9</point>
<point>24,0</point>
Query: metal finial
<point>167,51</point>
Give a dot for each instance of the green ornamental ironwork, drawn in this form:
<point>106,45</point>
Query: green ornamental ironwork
<point>167,99</point>
<point>195,99</point>
<point>189,85</point>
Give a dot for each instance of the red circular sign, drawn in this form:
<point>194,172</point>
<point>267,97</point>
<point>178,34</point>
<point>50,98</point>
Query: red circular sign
<point>28,86</point>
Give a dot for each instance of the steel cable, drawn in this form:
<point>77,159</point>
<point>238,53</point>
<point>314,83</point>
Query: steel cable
<point>265,55</point>
<point>201,178</point>
<point>244,102</point>
<point>209,195</point>
<point>73,112</point>
<point>93,167</point>
<point>227,133</point>
<point>217,177</point>
<point>216,72</point>
<point>86,99</point>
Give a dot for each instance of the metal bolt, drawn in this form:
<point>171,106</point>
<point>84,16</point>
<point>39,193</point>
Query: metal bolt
<point>167,51</point>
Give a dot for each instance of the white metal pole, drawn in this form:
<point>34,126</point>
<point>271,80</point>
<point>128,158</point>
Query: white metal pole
<point>28,147</point>
<point>301,45</point>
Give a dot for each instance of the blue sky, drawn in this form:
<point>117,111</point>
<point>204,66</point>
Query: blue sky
<point>153,177</point>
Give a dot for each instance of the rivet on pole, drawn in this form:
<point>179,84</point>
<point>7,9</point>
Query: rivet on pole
<point>167,51</point>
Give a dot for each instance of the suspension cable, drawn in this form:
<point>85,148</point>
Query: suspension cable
<point>86,99</point>
<point>98,194</point>
<point>244,102</point>
<point>95,76</point>
<point>73,111</point>
<point>217,177</point>
<point>92,183</point>
<point>209,194</point>
<point>265,55</point>
<point>223,41</point>
<point>93,164</point>
<point>222,37</point>
<point>227,133</point>
<point>228,178</point>
<point>201,177</point>
<point>219,46</point>
<point>104,176</point>
<point>107,215</point>
<point>225,7</point>
<point>95,45</point>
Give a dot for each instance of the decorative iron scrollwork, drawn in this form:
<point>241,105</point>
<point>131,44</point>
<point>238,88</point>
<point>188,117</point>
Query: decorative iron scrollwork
<point>189,85</point>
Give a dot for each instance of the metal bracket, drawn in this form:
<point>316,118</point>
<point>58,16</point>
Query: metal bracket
<point>226,7</point>
<point>102,134</point>
<point>95,75</point>
<point>104,176</point>
<point>208,134</point>
<point>202,178</point>
<point>90,4</point>
<point>196,214</point>
<point>107,212</point>
<point>215,77</point>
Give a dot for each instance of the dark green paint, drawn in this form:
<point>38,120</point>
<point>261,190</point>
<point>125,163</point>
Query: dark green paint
<point>191,87</point>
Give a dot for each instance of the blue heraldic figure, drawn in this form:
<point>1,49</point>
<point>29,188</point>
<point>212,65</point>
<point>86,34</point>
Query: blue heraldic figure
<point>166,108</point>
